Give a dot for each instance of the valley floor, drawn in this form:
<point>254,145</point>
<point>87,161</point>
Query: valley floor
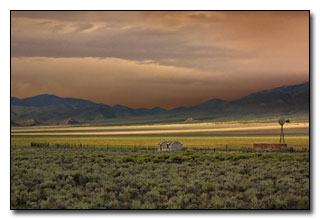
<point>187,128</point>
<point>118,167</point>
<point>104,178</point>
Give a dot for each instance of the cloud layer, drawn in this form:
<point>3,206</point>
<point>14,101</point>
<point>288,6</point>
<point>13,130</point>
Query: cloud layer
<point>188,56</point>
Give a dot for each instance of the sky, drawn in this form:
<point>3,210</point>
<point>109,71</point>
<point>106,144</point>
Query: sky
<point>146,59</point>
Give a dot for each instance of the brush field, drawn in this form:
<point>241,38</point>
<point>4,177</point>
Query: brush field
<point>124,171</point>
<point>100,178</point>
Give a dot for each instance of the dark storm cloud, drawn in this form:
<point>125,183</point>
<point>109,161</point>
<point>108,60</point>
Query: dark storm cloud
<point>133,43</point>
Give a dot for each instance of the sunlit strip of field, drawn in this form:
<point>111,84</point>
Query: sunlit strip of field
<point>217,141</point>
<point>135,127</point>
<point>295,128</point>
<point>192,126</point>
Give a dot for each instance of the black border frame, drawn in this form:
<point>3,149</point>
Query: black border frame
<point>161,211</point>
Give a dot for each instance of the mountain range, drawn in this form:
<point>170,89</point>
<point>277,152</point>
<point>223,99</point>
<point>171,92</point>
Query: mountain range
<point>286,101</point>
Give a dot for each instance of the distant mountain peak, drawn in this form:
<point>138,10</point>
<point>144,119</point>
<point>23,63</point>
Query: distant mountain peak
<point>118,106</point>
<point>45,96</point>
<point>212,102</point>
<point>157,108</point>
<point>47,108</point>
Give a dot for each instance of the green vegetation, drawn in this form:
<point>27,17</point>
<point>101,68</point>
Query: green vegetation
<point>137,178</point>
<point>191,141</point>
<point>214,171</point>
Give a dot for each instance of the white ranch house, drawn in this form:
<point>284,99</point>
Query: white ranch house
<point>169,146</point>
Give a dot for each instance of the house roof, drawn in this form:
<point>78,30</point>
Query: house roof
<point>168,142</point>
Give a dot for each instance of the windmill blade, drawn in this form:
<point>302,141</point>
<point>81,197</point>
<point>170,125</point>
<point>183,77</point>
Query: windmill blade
<point>281,121</point>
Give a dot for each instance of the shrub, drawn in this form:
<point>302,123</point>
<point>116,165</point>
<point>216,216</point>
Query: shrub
<point>103,178</point>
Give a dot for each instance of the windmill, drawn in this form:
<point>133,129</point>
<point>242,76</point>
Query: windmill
<point>282,122</point>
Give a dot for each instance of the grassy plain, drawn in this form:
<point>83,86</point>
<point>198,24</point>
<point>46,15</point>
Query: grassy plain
<point>121,169</point>
<point>163,129</point>
<point>101,178</point>
<point>213,135</point>
<point>192,141</point>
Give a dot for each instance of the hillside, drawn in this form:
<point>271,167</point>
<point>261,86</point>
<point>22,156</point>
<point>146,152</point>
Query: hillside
<point>50,109</point>
<point>282,101</point>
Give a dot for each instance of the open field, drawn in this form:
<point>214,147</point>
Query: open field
<point>101,178</point>
<point>213,135</point>
<point>118,167</point>
<point>192,128</point>
<point>202,141</point>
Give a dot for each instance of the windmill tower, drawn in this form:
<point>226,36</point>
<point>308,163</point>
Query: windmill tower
<point>282,122</point>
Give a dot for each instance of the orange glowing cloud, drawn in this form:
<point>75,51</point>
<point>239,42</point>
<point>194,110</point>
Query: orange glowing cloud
<point>148,59</point>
